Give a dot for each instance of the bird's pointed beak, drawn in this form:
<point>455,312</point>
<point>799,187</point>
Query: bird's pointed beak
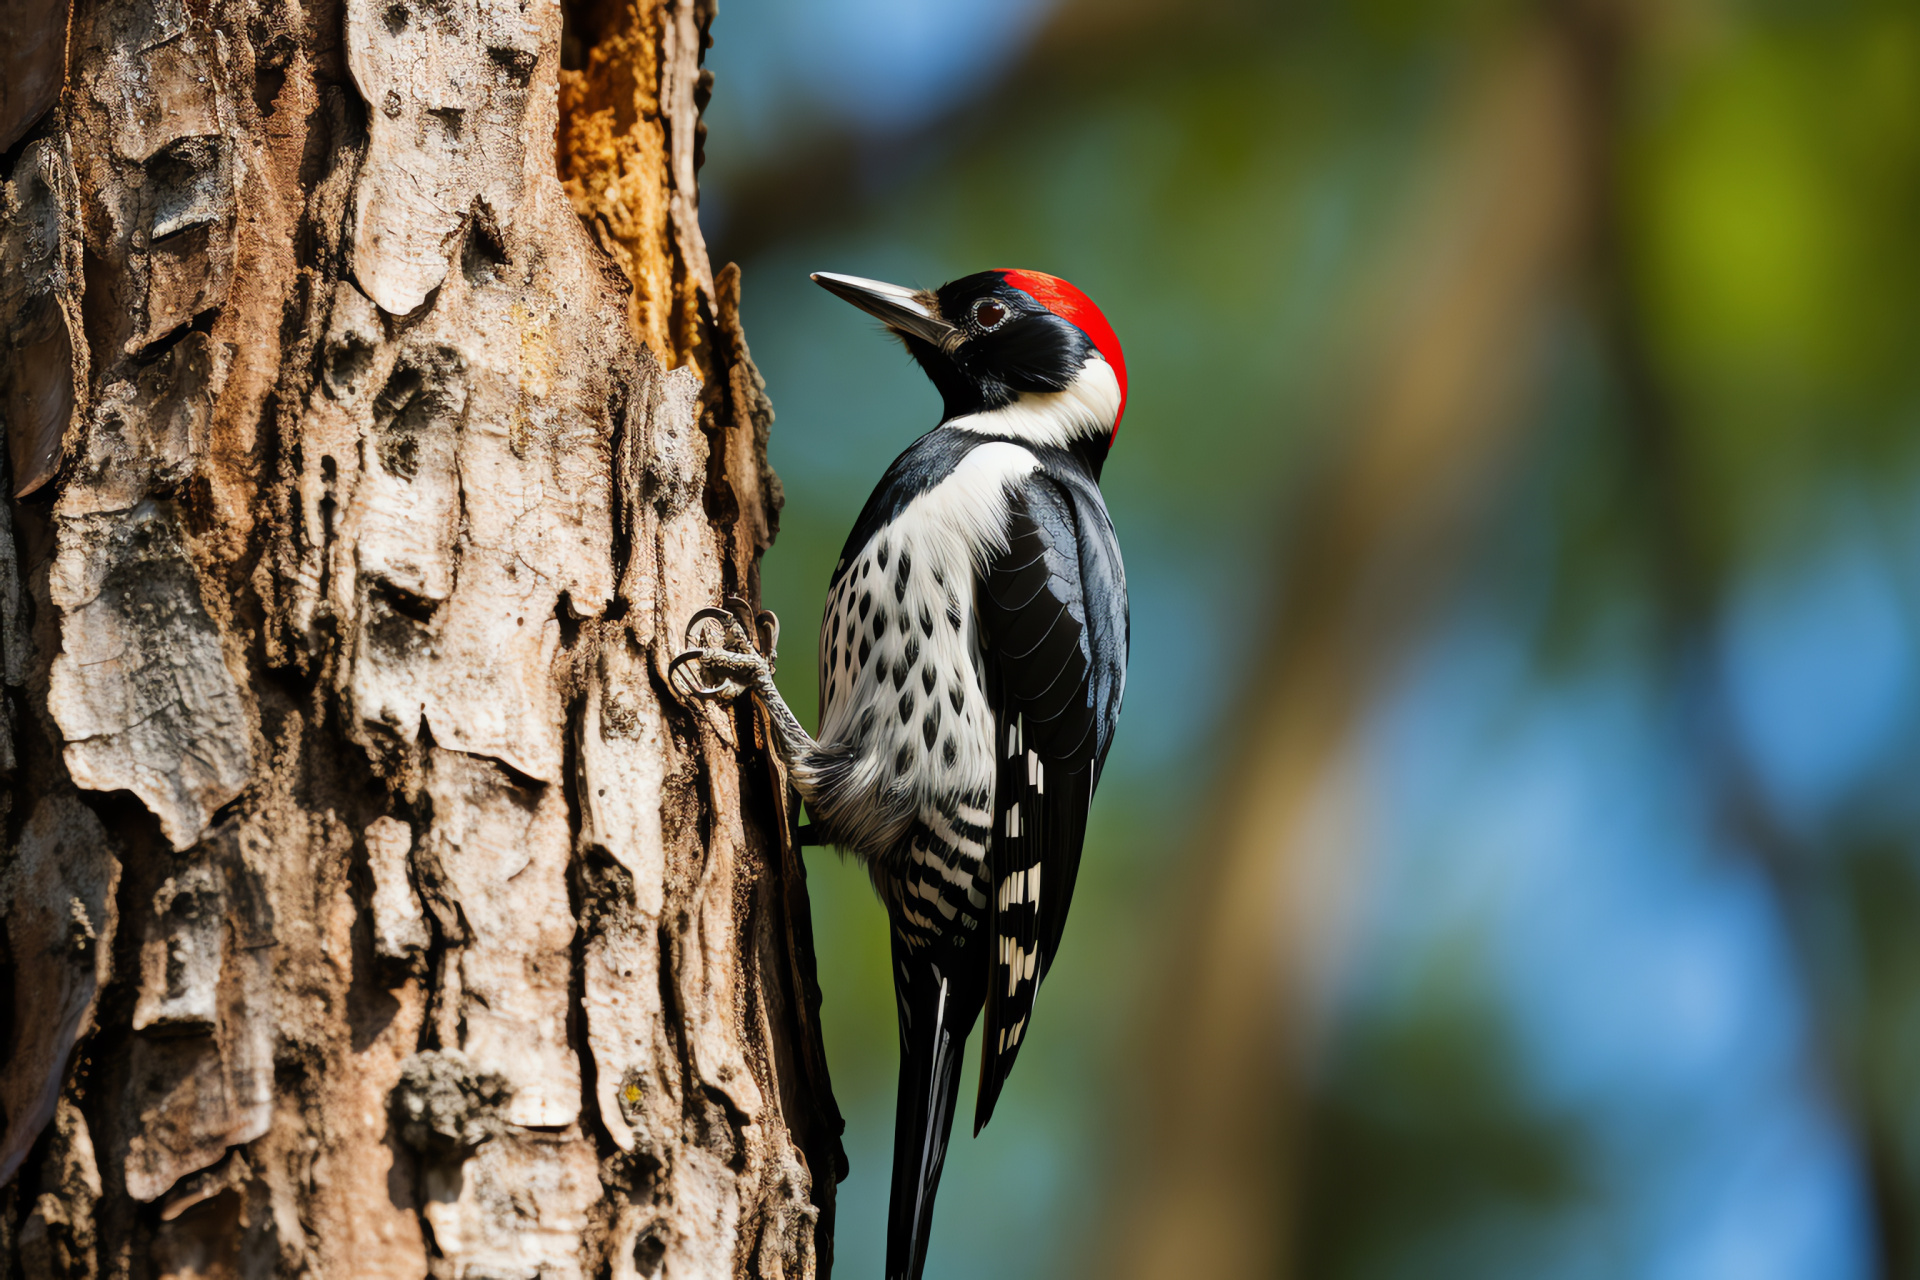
<point>899,308</point>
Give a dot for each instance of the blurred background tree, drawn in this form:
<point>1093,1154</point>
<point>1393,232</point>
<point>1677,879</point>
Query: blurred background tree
<point>1510,859</point>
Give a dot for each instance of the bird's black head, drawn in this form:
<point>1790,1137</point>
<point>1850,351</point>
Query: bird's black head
<point>1014,353</point>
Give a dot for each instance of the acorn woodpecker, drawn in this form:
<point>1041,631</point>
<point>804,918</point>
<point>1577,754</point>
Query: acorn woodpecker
<point>972,659</point>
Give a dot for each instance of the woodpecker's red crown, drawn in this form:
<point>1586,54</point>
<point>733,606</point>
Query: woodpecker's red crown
<point>1076,308</point>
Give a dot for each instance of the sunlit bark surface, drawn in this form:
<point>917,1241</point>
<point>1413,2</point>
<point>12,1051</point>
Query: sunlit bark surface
<point>373,908</point>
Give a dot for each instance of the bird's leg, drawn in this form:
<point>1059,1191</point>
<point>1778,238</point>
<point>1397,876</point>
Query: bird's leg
<point>741,666</point>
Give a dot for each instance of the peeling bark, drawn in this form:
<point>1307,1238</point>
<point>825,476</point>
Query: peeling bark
<point>373,907</point>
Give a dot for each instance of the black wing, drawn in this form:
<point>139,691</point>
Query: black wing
<point>1053,617</point>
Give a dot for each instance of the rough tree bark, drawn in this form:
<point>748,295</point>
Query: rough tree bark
<point>372,906</point>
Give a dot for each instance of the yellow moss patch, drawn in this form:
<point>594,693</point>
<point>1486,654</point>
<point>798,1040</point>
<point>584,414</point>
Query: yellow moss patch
<point>615,166</point>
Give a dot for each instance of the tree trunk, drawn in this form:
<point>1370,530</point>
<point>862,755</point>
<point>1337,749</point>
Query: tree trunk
<point>373,907</point>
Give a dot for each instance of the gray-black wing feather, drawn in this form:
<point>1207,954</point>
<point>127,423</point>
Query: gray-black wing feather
<point>1053,618</point>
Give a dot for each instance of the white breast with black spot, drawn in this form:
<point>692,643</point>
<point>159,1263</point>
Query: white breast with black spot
<point>900,674</point>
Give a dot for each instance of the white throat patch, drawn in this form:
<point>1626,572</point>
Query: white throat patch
<point>1086,408</point>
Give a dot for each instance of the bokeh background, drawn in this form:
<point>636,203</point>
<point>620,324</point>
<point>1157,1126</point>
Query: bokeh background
<point>1509,864</point>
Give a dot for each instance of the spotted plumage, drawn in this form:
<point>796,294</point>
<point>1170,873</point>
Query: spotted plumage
<point>972,658</point>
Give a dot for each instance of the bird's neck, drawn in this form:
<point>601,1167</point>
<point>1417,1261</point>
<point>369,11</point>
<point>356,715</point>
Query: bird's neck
<point>1082,414</point>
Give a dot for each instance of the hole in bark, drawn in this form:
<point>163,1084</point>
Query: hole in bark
<point>396,422</point>
<point>702,94</point>
<point>723,508</point>
<point>418,399</point>
<point>267,83</point>
<point>164,344</point>
<point>371,1007</point>
<point>569,621</point>
<point>272,50</point>
<point>409,606</point>
<point>606,896</point>
<point>397,623</point>
<point>184,186</point>
<point>583,24</point>
<point>649,1251</point>
<point>515,64</point>
<point>444,1107</point>
<point>105,309</point>
<point>396,17</point>
<point>483,256</point>
<point>452,119</point>
<point>347,362</point>
<point>329,510</point>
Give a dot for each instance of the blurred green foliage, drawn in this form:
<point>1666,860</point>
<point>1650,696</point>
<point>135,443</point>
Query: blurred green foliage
<point>1732,384</point>
<point>1425,1155</point>
<point>1773,188</point>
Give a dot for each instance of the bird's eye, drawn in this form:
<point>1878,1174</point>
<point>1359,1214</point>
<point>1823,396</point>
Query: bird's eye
<point>988,314</point>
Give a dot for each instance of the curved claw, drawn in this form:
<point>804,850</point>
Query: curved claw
<point>749,622</point>
<point>720,616</point>
<point>761,621</point>
<point>693,655</point>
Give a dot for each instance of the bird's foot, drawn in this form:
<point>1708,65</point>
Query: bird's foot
<point>735,658</point>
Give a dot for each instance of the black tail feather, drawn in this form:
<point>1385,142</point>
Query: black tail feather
<point>937,1013</point>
